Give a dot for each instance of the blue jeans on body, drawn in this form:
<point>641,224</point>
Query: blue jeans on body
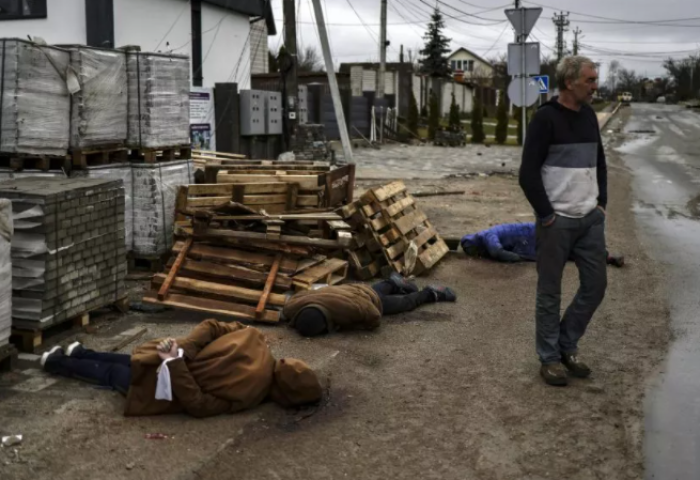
<point>105,369</point>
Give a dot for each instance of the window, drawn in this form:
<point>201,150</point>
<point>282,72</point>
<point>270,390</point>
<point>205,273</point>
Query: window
<point>453,64</point>
<point>22,9</point>
<point>469,65</point>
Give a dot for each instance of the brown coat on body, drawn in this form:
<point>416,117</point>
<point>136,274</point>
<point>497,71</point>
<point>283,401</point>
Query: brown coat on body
<point>345,306</point>
<point>232,365</point>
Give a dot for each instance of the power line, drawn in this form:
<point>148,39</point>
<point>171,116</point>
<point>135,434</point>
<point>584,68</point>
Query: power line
<point>467,15</point>
<point>363,23</point>
<point>561,21</point>
<point>496,42</point>
<point>182,12</point>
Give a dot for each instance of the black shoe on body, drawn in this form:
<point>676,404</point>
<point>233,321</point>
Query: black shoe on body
<point>402,284</point>
<point>442,294</point>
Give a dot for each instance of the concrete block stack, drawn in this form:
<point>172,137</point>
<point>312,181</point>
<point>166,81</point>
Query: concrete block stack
<point>154,190</point>
<point>310,142</point>
<point>6,231</point>
<point>99,108</point>
<point>68,253</point>
<point>35,103</point>
<point>159,100</point>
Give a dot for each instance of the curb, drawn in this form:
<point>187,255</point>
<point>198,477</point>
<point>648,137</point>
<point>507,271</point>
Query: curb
<point>614,112</point>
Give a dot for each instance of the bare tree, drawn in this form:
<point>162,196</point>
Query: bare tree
<point>613,69</point>
<point>309,60</point>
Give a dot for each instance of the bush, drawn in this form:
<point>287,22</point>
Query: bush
<point>478,135</point>
<point>454,121</point>
<point>502,120</point>
<point>433,117</point>
<point>412,121</point>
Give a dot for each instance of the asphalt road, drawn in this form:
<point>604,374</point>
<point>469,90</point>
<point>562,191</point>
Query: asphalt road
<point>663,152</point>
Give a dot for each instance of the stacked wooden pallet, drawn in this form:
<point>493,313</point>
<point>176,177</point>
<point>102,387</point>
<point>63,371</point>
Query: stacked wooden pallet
<point>391,233</point>
<point>231,260</point>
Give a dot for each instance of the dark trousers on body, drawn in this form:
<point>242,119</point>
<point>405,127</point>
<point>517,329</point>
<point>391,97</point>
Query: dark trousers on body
<point>582,239</point>
<point>393,301</point>
<point>105,369</point>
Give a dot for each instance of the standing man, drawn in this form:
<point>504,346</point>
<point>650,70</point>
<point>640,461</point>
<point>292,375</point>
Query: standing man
<point>564,177</point>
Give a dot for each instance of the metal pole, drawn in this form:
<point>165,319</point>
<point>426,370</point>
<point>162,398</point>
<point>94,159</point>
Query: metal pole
<point>381,84</point>
<point>523,112</point>
<point>333,81</point>
<point>291,80</point>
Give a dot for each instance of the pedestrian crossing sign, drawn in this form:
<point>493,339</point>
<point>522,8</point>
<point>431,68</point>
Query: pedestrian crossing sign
<point>543,83</point>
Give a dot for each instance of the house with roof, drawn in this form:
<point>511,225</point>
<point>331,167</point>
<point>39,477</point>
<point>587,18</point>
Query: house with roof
<point>226,40</point>
<point>469,66</point>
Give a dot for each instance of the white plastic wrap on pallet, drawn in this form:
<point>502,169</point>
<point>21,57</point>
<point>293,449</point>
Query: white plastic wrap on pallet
<point>159,100</point>
<point>34,98</point>
<point>118,171</point>
<point>6,231</point>
<point>99,110</point>
<point>153,203</point>
<point>9,174</point>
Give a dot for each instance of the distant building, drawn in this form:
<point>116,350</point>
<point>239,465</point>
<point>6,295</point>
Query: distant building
<point>470,66</point>
<point>232,32</point>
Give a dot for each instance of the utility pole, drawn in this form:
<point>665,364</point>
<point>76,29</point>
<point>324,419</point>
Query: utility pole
<point>333,81</point>
<point>577,32</point>
<point>381,85</point>
<point>291,81</point>
<point>561,21</point>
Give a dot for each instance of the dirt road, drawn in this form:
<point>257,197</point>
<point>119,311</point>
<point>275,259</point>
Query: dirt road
<point>450,391</point>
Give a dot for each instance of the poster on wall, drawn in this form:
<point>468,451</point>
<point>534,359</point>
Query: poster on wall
<point>202,119</point>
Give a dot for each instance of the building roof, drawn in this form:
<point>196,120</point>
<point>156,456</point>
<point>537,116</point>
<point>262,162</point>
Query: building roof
<point>390,66</point>
<point>478,57</point>
<point>252,8</point>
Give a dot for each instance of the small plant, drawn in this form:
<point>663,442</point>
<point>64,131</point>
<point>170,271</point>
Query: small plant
<point>502,120</point>
<point>478,135</point>
<point>433,117</point>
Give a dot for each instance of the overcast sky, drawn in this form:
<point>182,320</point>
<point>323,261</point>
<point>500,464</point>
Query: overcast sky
<point>641,47</point>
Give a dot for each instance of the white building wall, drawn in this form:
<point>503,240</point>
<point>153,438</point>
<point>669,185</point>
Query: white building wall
<point>259,46</point>
<point>64,23</point>
<point>154,25</point>
<point>226,52</point>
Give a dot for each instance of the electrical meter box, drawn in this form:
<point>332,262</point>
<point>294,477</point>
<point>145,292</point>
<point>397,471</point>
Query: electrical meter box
<point>303,107</point>
<point>252,112</point>
<point>273,113</point>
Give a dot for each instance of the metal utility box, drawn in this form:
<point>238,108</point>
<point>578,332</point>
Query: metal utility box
<point>253,112</point>
<point>273,113</point>
<point>303,107</point>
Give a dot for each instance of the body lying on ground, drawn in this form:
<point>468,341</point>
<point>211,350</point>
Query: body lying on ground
<point>511,242</point>
<point>357,306</point>
<point>218,368</point>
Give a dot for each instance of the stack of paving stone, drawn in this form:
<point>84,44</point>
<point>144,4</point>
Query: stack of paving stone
<point>5,270</point>
<point>154,190</point>
<point>68,253</point>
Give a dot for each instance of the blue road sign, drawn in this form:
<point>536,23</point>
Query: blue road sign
<point>543,83</point>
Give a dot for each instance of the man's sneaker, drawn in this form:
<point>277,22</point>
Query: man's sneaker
<point>402,284</point>
<point>74,349</point>
<point>57,350</point>
<point>442,294</point>
<point>575,366</point>
<point>616,260</point>
<point>554,374</point>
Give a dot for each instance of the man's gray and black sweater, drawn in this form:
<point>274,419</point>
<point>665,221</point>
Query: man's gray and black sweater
<point>563,170</point>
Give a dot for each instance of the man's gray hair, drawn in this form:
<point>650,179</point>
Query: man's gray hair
<point>570,69</point>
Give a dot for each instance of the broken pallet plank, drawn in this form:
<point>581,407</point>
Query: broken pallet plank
<point>213,288</point>
<point>331,272</point>
<point>254,237</point>
<point>216,307</point>
<point>387,191</point>
<point>306,182</point>
<point>163,292</point>
<point>232,272</point>
<point>230,255</point>
<point>409,222</point>
<point>259,311</point>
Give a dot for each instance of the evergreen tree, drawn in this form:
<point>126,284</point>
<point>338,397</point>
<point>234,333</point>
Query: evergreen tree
<point>478,135</point>
<point>437,47</point>
<point>424,111</point>
<point>454,120</point>
<point>412,115</point>
<point>433,116</point>
<point>502,119</point>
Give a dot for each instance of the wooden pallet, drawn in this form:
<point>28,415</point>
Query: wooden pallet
<point>92,157</point>
<point>274,198</point>
<point>8,358</point>
<point>28,339</point>
<point>330,272</point>
<point>168,154</point>
<point>19,162</point>
<point>394,221</point>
